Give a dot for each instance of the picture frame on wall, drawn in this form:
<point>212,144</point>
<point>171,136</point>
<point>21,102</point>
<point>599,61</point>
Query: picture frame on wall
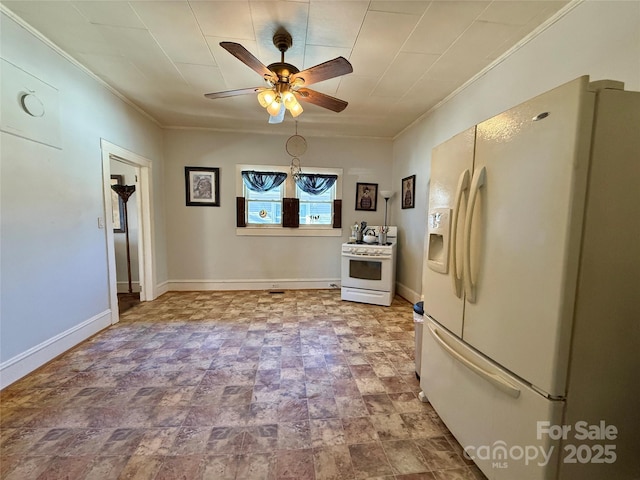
<point>117,206</point>
<point>202,186</point>
<point>409,191</point>
<point>367,196</point>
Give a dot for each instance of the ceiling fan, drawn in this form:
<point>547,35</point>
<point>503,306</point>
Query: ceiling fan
<point>285,84</point>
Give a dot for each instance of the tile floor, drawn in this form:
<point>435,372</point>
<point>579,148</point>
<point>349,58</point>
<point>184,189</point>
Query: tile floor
<point>233,385</point>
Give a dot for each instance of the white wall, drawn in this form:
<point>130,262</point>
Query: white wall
<point>203,248</point>
<point>55,287</point>
<point>596,38</point>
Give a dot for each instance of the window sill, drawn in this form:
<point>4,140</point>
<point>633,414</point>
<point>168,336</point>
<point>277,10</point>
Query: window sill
<point>288,232</point>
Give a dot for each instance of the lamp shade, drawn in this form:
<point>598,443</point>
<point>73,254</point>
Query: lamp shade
<point>274,107</point>
<point>387,194</point>
<point>296,109</point>
<point>278,117</point>
<point>266,97</point>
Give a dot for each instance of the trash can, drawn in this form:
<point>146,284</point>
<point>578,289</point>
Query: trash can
<point>418,321</point>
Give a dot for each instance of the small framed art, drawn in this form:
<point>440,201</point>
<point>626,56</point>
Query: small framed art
<point>366,196</point>
<point>202,186</point>
<point>408,191</point>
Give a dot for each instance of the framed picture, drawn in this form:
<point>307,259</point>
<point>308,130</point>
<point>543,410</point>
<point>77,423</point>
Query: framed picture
<point>117,206</point>
<point>366,196</point>
<point>409,191</point>
<point>202,186</point>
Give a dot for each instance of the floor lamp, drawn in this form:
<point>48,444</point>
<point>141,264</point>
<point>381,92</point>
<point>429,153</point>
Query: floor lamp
<point>124,192</point>
<point>386,194</point>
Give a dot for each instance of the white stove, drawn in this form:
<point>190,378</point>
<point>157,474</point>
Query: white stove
<point>369,270</point>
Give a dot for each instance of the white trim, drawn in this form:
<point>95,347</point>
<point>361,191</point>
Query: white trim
<point>146,247</point>
<point>259,284</point>
<point>278,231</point>
<point>407,293</point>
<point>26,362</point>
<point>123,287</point>
<point>255,131</point>
<point>162,288</point>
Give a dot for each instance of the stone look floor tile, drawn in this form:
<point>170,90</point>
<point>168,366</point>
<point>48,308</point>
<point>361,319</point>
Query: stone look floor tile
<point>233,385</point>
<point>359,430</point>
<point>369,460</point>
<point>295,464</point>
<point>333,463</point>
<point>405,457</point>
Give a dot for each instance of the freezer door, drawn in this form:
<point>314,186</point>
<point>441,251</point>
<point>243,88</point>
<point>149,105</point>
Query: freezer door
<point>523,236</point>
<point>491,413</point>
<point>451,169</point>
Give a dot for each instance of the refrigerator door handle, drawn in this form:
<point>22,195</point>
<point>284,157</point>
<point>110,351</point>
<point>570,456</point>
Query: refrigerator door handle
<point>463,185</point>
<point>479,179</point>
<point>493,378</point>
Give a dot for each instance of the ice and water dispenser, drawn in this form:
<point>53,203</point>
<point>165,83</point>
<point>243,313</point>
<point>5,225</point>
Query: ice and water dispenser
<point>438,246</point>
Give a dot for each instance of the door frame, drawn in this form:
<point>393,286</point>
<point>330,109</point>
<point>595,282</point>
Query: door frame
<point>145,220</point>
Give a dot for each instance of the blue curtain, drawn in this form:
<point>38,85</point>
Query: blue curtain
<point>315,184</point>
<point>262,181</point>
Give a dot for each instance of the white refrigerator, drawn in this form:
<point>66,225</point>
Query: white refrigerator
<point>531,341</point>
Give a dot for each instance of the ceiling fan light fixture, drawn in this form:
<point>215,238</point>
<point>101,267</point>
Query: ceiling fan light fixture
<point>283,81</point>
<point>275,107</point>
<point>279,116</point>
<point>296,109</point>
<point>288,98</point>
<point>267,97</point>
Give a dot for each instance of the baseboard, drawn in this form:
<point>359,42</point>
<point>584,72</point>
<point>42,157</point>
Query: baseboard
<point>268,284</point>
<point>123,287</point>
<point>161,289</point>
<point>407,293</point>
<point>26,362</point>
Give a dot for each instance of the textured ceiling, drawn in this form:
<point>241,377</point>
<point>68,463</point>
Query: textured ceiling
<point>407,55</point>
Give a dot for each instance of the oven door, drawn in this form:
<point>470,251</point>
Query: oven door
<point>367,272</point>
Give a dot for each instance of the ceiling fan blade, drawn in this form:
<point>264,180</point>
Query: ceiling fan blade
<point>233,93</point>
<point>322,100</point>
<point>246,57</point>
<point>324,71</point>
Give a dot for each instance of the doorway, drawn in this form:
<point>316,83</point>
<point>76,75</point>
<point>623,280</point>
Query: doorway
<point>136,170</point>
<point>126,230</point>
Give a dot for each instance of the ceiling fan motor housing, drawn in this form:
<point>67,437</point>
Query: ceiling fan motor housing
<point>282,40</point>
<point>283,70</point>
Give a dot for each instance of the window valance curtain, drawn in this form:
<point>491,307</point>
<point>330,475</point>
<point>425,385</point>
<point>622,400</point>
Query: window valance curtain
<point>262,181</point>
<point>315,184</point>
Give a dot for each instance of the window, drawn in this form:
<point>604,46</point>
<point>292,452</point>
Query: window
<point>264,208</point>
<point>316,209</point>
<point>265,212</point>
